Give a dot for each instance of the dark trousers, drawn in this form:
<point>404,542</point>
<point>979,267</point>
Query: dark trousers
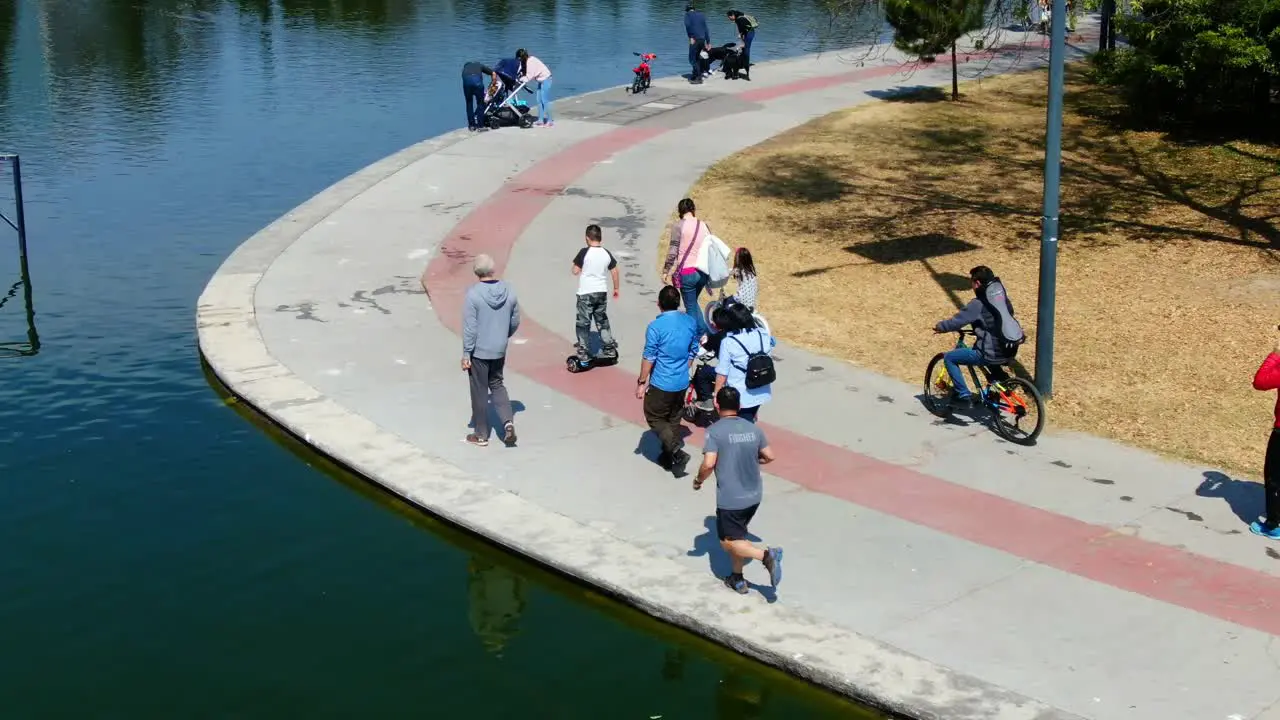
<point>1271,478</point>
<point>591,307</point>
<point>697,65</point>
<point>662,410</point>
<point>746,51</point>
<point>473,91</point>
<point>486,380</point>
<point>749,414</point>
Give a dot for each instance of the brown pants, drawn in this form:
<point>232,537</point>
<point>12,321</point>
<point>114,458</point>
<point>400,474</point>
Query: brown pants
<point>662,410</point>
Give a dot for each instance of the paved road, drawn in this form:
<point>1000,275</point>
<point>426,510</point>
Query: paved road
<point>931,567</point>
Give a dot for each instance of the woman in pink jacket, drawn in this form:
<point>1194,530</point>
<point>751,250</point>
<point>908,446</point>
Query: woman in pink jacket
<point>1268,378</point>
<point>680,268</point>
<point>534,70</point>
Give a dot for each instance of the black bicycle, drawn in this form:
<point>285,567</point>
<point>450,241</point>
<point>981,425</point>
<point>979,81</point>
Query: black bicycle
<point>1017,410</point>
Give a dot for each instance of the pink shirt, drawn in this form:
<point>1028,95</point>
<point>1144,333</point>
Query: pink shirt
<point>684,233</point>
<point>536,70</point>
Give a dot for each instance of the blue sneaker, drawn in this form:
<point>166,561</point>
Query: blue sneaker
<point>1258,528</point>
<point>773,563</point>
<point>737,583</point>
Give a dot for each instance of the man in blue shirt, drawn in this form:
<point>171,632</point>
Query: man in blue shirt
<point>670,344</point>
<point>695,26</point>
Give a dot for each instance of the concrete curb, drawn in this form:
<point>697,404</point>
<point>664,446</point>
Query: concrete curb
<point>829,655</point>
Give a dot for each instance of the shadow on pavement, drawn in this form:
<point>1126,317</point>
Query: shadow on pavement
<point>1245,498</point>
<point>708,544</point>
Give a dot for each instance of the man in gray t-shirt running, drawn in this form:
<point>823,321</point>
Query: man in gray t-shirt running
<point>735,450</point>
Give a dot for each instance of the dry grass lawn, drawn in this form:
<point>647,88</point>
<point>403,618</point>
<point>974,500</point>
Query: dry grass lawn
<point>864,225</point>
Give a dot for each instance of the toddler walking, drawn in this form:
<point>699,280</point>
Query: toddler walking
<point>595,266</point>
<point>744,274</point>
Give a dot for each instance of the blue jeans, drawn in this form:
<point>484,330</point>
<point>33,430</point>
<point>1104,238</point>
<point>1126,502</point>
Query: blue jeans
<point>746,50</point>
<point>473,91</point>
<point>544,100</point>
<point>691,287</point>
<point>954,359</point>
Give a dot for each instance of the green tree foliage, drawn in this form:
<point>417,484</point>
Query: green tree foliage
<point>1210,64</point>
<point>928,28</point>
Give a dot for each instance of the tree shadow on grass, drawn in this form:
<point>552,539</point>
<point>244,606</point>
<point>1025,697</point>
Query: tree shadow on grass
<point>1115,182</point>
<point>803,178</point>
<point>910,94</point>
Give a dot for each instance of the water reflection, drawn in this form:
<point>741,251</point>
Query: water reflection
<point>373,14</point>
<point>496,599</point>
<point>32,344</point>
<point>738,697</point>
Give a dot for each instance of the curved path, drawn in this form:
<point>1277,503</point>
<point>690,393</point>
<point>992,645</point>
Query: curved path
<point>931,570</point>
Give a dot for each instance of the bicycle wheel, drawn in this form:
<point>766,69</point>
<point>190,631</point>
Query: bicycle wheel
<point>1018,410</point>
<point>937,388</point>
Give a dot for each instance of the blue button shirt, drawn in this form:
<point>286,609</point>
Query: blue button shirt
<point>670,343</point>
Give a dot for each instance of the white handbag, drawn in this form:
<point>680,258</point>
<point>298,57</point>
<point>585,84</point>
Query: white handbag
<point>713,259</point>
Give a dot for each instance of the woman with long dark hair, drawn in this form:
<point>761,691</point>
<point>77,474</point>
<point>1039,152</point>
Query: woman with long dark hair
<point>533,70</point>
<point>743,337</point>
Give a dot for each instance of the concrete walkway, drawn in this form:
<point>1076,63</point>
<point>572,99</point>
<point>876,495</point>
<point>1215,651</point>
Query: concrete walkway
<point>931,568</point>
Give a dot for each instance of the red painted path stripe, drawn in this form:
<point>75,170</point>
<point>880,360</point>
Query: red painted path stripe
<point>1212,587</point>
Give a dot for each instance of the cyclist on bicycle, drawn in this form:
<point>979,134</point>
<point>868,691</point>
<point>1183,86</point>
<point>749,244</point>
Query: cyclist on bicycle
<point>997,332</point>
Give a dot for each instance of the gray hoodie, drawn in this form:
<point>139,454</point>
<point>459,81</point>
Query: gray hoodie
<point>490,316</point>
<point>992,321</point>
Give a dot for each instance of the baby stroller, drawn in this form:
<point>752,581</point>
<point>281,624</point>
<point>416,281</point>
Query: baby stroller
<point>699,408</point>
<point>730,59</point>
<point>503,106</point>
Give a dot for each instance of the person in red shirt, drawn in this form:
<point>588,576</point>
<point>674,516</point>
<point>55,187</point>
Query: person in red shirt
<point>1268,378</point>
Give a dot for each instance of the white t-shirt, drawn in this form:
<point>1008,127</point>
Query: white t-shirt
<point>596,262</point>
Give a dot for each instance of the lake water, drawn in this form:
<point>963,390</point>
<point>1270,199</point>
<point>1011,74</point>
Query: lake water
<point>161,555</point>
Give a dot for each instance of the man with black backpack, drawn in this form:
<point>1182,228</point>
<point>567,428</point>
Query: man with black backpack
<point>998,333</point>
<point>746,25</point>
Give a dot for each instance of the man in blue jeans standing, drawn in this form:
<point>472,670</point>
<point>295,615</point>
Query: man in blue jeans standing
<point>997,331</point>
<point>473,87</point>
<point>695,26</point>
<point>670,344</point>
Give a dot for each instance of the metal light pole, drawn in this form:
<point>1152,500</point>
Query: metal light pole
<point>1052,198</point>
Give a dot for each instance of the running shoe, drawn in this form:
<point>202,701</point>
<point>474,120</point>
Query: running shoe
<point>1258,528</point>
<point>773,563</point>
<point>737,583</point>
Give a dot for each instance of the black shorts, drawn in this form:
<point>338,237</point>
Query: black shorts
<point>732,524</point>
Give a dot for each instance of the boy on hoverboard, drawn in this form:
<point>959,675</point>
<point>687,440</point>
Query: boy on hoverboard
<point>595,267</point>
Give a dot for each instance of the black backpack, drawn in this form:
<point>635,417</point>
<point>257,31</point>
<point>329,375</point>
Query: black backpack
<point>759,370</point>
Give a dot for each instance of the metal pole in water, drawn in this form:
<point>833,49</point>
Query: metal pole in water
<point>1052,201</point>
<point>20,218</point>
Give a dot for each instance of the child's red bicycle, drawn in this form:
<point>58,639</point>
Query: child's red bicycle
<point>640,83</point>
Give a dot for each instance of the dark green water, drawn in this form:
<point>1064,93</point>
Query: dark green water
<point>160,554</point>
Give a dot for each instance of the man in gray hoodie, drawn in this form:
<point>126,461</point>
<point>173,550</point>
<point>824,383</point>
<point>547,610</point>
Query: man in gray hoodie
<point>490,316</point>
<point>998,333</point>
